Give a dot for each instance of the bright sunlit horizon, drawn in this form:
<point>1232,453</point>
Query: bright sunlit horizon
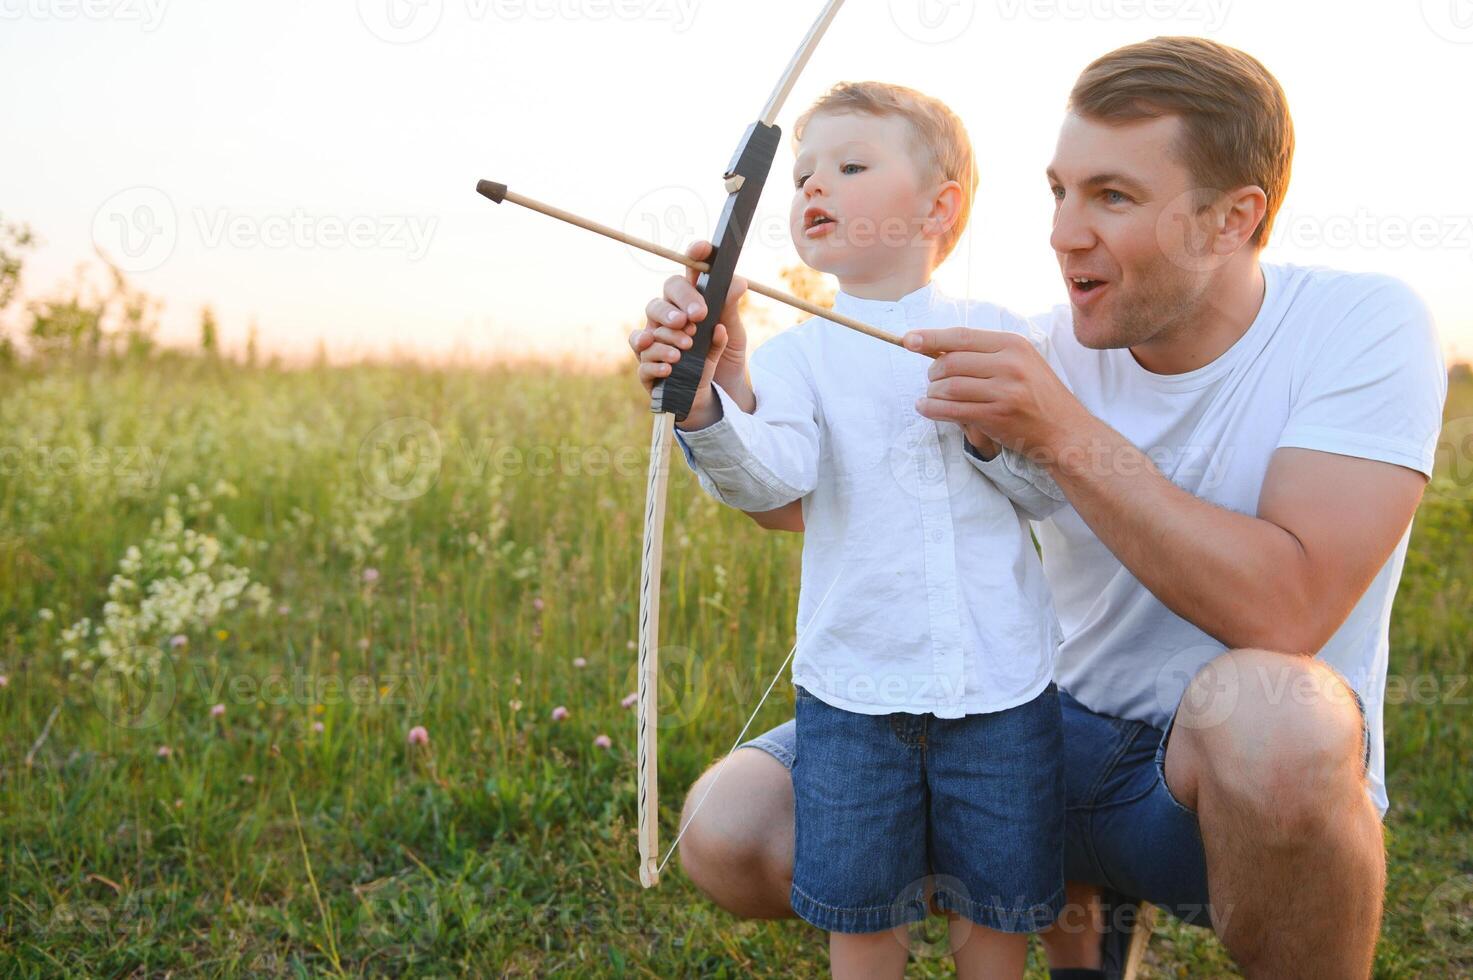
<point>310,168</point>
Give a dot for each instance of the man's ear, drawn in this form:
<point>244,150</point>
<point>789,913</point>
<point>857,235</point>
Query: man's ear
<point>1239,213</point>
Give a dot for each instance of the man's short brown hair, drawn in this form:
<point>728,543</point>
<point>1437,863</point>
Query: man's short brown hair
<point>942,148</point>
<point>1236,129</point>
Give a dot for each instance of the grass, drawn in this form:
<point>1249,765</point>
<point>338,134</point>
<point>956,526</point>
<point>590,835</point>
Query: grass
<point>440,547</point>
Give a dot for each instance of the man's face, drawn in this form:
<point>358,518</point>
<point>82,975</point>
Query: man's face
<point>1129,242</point>
<point>858,197</point>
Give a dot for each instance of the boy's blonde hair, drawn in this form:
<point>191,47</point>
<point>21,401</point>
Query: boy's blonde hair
<point>943,149</point>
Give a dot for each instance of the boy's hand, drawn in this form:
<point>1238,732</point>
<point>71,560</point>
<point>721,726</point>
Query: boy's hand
<point>671,322</point>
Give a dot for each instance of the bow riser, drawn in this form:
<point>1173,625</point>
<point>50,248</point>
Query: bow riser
<point>746,175</point>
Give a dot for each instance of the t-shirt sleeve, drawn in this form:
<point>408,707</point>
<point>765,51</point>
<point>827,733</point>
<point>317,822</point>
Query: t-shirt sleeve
<point>1374,384</point>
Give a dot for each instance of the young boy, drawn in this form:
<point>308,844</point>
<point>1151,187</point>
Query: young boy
<point>928,728</point>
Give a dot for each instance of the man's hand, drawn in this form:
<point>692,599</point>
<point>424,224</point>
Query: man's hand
<point>998,388</point>
<point>670,323</point>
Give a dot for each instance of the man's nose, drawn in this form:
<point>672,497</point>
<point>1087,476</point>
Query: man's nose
<point>1072,231</point>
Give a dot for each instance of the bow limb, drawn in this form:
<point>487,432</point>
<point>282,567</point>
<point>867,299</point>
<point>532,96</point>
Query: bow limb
<point>648,788</point>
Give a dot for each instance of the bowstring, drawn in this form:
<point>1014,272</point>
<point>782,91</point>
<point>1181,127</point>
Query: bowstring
<point>751,718</point>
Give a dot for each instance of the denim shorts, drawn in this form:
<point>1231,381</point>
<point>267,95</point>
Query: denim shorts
<point>894,812</point>
<point>1123,828</point>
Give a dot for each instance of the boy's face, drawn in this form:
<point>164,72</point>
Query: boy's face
<point>860,201</point>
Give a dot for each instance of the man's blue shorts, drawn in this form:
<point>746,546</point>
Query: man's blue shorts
<point>1123,829</point>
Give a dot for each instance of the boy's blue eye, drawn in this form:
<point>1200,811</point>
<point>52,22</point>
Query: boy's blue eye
<point>799,181</point>
<point>851,168</point>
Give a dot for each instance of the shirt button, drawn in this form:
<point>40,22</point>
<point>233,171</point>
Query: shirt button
<point>936,536</point>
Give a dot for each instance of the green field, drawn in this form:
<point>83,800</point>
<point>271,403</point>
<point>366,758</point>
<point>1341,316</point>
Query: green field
<point>338,555</point>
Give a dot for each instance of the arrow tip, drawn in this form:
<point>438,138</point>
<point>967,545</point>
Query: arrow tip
<point>492,190</point>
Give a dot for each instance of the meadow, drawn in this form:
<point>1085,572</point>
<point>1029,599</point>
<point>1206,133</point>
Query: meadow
<point>323,671</point>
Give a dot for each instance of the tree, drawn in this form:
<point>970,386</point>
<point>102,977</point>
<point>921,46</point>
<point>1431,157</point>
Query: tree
<point>809,284</point>
<point>15,240</point>
<point>209,333</point>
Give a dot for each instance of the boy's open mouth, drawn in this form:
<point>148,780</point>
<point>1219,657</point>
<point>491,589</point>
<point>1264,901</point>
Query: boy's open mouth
<point>816,222</point>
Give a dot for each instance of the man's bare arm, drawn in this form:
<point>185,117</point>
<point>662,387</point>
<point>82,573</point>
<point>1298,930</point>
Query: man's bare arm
<point>1283,579</point>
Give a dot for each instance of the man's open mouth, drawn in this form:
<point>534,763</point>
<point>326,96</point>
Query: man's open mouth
<point>1084,283</point>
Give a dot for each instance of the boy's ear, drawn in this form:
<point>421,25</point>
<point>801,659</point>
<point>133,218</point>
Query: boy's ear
<point>946,208</point>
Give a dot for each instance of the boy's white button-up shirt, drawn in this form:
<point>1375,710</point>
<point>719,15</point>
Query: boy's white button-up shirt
<point>921,587</point>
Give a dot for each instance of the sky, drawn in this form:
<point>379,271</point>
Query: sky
<point>310,166</point>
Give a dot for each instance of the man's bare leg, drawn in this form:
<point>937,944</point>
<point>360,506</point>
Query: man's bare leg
<point>1073,941</point>
<point>739,850</point>
<point>1268,749</point>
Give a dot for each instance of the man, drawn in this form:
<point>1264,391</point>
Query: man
<point>1241,448</point>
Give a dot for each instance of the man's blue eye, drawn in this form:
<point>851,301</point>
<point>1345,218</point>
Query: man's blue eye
<point>1057,192</point>
<point>1115,197</point>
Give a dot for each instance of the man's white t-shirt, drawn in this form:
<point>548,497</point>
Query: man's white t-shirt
<point>1337,362</point>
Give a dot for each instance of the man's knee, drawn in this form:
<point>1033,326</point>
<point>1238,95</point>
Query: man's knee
<point>738,847</point>
<point>1279,734</point>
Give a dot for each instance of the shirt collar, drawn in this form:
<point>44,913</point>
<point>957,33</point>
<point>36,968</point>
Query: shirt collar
<point>910,304</point>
